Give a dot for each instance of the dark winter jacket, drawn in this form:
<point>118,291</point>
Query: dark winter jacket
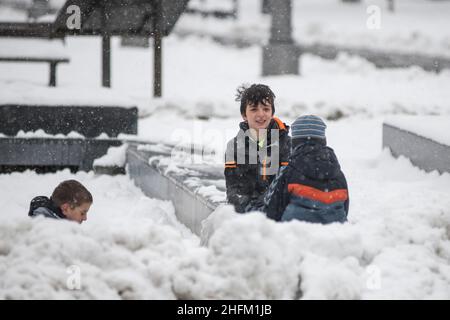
<point>249,168</point>
<point>311,188</point>
<point>43,206</point>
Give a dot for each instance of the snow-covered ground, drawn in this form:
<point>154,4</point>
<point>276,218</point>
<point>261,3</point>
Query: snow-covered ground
<point>203,82</point>
<point>396,244</point>
<point>416,26</point>
<point>200,76</point>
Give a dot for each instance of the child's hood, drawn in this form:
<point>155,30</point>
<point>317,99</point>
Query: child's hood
<point>315,161</point>
<point>38,202</point>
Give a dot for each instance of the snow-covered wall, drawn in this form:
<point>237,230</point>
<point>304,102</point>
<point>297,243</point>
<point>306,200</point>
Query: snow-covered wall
<point>423,152</point>
<point>434,127</point>
<point>158,177</point>
<point>75,153</point>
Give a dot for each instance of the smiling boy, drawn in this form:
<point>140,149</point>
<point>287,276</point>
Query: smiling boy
<point>261,146</point>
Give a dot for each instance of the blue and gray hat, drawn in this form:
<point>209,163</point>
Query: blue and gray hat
<point>308,126</point>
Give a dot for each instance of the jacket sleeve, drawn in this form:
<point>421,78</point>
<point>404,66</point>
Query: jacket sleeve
<point>285,149</point>
<point>234,181</point>
<point>277,196</point>
<point>236,194</point>
<point>343,181</point>
<point>347,202</point>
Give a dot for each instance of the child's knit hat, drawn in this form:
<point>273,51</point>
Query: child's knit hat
<point>308,126</point>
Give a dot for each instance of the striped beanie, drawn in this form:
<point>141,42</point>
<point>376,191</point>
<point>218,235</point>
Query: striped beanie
<point>308,126</point>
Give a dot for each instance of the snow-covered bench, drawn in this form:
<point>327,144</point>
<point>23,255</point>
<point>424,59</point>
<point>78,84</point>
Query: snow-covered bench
<point>216,8</point>
<point>34,51</point>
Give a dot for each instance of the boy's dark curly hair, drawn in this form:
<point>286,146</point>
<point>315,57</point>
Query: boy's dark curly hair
<point>255,94</point>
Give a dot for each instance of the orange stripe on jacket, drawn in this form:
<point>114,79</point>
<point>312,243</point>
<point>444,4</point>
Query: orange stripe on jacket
<point>230,164</point>
<point>264,170</point>
<point>280,123</point>
<point>318,195</point>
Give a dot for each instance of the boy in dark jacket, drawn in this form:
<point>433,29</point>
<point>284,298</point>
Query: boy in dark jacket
<point>70,200</point>
<point>312,187</point>
<point>261,146</point>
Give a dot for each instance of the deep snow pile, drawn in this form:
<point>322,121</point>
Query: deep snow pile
<point>396,244</point>
<point>128,248</point>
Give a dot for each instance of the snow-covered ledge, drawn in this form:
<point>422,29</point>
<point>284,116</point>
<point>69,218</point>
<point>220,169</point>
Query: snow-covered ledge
<point>425,140</point>
<point>195,190</point>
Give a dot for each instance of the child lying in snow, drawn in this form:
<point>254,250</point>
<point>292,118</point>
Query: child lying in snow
<point>312,187</point>
<point>70,200</point>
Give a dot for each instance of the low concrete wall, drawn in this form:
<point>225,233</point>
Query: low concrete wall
<point>77,154</point>
<point>380,58</point>
<point>424,153</point>
<point>190,207</point>
<point>51,153</point>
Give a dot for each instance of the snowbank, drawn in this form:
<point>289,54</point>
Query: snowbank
<point>129,247</point>
<point>205,87</point>
<point>115,156</point>
<point>410,29</point>
<point>396,244</point>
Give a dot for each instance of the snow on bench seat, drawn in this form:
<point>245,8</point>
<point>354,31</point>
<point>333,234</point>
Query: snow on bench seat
<point>32,48</point>
<point>21,93</point>
<point>34,51</point>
